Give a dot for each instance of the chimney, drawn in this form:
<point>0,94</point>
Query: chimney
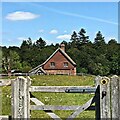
<point>62,46</point>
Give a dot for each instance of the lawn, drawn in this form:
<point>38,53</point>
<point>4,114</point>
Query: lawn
<point>54,98</point>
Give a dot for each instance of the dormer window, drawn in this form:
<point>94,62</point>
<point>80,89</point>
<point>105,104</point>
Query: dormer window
<point>52,64</point>
<point>65,64</point>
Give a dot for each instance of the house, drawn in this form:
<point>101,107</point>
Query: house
<point>58,63</point>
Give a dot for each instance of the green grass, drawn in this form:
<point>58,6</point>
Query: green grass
<point>62,80</point>
<point>6,100</point>
<point>55,98</point>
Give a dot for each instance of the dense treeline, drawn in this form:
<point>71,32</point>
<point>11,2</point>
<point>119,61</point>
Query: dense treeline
<point>98,57</point>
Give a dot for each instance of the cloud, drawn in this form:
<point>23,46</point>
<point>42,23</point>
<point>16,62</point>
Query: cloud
<point>53,32</point>
<point>49,42</point>
<point>10,40</point>
<point>65,31</point>
<point>64,37</point>
<point>20,15</point>
<point>41,31</point>
<point>21,38</point>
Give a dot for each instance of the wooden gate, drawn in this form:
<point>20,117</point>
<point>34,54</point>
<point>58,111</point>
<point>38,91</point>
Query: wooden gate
<point>106,98</point>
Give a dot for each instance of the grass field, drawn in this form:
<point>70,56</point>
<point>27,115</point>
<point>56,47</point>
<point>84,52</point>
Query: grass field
<point>54,98</point>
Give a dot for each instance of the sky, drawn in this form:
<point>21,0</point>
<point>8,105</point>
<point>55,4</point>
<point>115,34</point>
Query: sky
<point>56,21</point>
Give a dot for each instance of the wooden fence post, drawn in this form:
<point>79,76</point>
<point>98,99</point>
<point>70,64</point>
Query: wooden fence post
<point>115,97</point>
<point>20,98</point>
<point>105,98</point>
<point>97,97</point>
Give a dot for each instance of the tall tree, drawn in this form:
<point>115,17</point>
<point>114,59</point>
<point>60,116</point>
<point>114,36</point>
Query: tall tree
<point>26,50</point>
<point>40,43</point>
<point>82,37</point>
<point>26,43</point>
<point>74,36</point>
<point>74,39</point>
<point>99,39</point>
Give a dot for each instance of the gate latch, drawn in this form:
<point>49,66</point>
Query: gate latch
<point>104,93</point>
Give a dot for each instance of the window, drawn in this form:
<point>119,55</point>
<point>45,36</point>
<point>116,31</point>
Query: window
<point>52,64</point>
<point>65,64</point>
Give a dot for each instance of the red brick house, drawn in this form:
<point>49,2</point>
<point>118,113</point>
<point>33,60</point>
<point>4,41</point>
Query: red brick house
<point>58,63</point>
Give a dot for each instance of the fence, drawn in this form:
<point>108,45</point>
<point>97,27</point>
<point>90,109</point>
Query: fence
<point>106,98</point>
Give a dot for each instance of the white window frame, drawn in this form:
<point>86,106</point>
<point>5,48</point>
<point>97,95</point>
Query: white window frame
<point>65,64</point>
<point>52,64</point>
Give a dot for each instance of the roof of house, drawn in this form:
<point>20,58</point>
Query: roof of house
<point>36,69</point>
<point>59,49</point>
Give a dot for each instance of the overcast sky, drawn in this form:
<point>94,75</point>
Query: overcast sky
<point>55,21</point>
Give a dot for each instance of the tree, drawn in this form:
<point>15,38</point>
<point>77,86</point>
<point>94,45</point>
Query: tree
<point>5,59</point>
<point>26,50</point>
<point>5,64</point>
<point>74,36</point>
<point>25,67</point>
<point>99,39</point>
<point>26,44</point>
<point>29,42</point>
<point>82,37</point>
<point>40,43</point>
<point>113,56</point>
<point>112,42</point>
<point>14,61</point>
<point>101,65</point>
<point>14,48</point>
<point>11,62</point>
<point>74,39</point>
<point>99,44</point>
<point>64,42</point>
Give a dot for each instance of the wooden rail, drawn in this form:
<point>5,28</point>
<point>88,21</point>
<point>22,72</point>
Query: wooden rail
<point>5,82</point>
<point>63,89</point>
<point>53,107</point>
<point>50,112</point>
<point>4,117</point>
